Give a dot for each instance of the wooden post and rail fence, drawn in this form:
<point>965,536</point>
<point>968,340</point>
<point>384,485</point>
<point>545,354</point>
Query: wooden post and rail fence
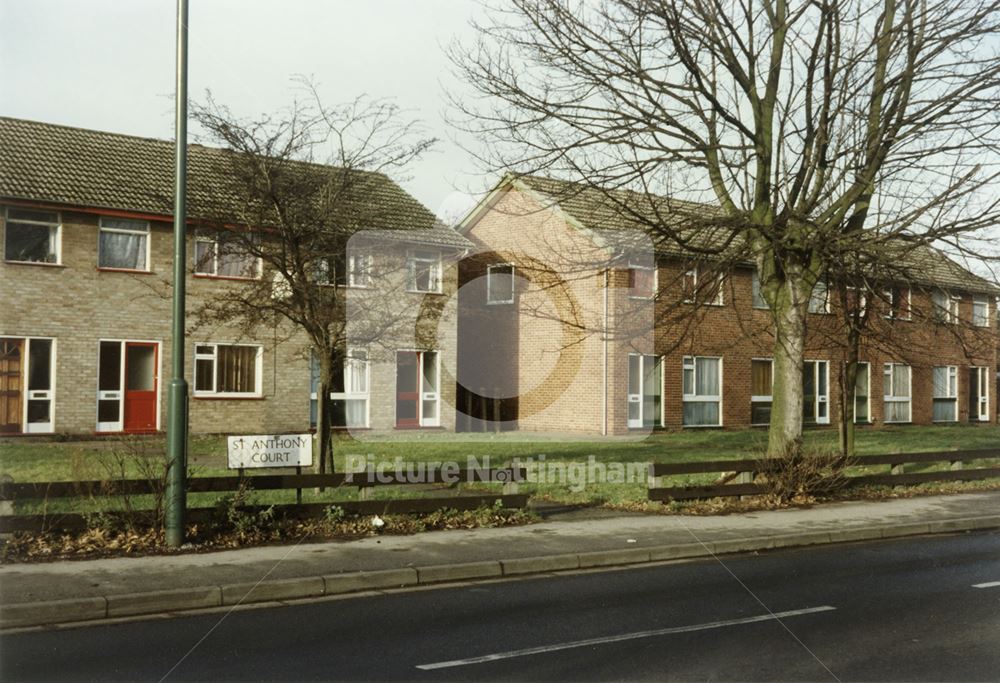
<point>364,481</point>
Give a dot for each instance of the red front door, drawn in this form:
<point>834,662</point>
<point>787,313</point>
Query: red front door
<point>140,386</point>
<point>11,385</point>
<point>407,389</point>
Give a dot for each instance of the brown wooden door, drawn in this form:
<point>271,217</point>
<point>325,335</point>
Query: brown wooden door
<point>407,389</point>
<point>11,385</point>
<point>140,387</point>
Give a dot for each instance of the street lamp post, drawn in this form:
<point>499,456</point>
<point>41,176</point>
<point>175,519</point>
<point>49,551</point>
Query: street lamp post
<point>177,397</point>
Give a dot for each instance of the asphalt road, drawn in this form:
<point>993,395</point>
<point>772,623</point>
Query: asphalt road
<point>919,609</point>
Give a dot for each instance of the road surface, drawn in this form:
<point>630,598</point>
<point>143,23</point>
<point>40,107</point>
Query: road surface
<point>917,609</point>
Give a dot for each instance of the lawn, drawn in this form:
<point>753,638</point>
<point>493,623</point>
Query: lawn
<point>31,460</point>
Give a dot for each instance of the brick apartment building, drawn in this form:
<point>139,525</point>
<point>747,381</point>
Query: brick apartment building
<point>541,313</point>
<point>566,324</point>
<point>86,224</point>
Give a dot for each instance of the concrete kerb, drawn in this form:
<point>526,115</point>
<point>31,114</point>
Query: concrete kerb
<point>275,592</point>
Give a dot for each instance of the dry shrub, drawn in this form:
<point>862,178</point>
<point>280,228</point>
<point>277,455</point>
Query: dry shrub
<point>801,476</point>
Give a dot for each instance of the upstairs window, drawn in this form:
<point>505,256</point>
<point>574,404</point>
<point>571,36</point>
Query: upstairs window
<point>945,306</point>
<point>981,311</point>
<point>697,289</point>
<point>819,301</point>
<point>124,244</point>
<point>359,269</point>
<point>32,236</point>
<point>218,256</point>
<point>898,303</point>
<point>500,284</point>
<point>758,296</point>
<point>423,271</point>
<point>642,280</point>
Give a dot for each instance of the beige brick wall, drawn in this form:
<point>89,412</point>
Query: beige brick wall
<point>78,305</point>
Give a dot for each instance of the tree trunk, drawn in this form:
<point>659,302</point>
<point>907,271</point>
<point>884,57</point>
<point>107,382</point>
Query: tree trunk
<point>791,301</point>
<point>847,427</point>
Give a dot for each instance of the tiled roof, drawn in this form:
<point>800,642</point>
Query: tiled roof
<point>615,211</point>
<point>86,168</point>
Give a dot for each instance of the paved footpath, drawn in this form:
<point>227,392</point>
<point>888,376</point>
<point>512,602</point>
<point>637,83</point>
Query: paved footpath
<point>86,590</point>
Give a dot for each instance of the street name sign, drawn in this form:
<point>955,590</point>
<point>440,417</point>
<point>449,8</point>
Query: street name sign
<point>270,450</point>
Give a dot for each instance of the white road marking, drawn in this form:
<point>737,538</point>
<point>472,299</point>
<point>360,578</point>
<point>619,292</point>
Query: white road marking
<point>510,654</point>
<point>991,584</point>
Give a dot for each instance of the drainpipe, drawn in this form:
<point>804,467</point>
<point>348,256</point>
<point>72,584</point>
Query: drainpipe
<point>604,401</point>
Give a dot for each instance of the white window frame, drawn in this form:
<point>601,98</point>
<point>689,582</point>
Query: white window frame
<point>868,374</point>
<point>761,398</point>
<point>821,400</point>
<point>490,301</point>
<point>634,265</point>
<point>119,394</point>
<point>353,260</point>
<point>415,256</point>
<point>825,308</point>
<point>55,234</point>
<point>952,388</point>
<point>888,369</point>
<point>209,238</point>
<point>982,394</point>
<point>214,357</point>
<point>434,396</point>
<point>353,354</point>
<point>755,293</point>
<point>861,297</point>
<point>904,313</point>
<point>695,275</point>
<point>984,301</point>
<point>631,397</point>
<point>945,314</point>
<point>36,394</point>
<point>691,363</point>
<point>148,234</point>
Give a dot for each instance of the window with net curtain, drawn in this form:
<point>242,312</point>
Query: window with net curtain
<point>896,392</point>
<point>348,393</point>
<point>945,393</point>
<point>123,243</point>
<point>702,385</point>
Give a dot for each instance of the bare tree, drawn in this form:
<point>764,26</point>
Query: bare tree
<point>817,129</point>
<point>294,188</point>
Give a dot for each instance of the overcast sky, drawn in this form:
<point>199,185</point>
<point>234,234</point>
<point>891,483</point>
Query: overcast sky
<point>109,65</point>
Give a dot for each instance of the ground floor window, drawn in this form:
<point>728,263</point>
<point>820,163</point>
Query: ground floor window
<point>418,395</point>
<point>896,392</point>
<point>761,383</point>
<point>945,393</point>
<point>645,391</point>
<point>349,392</point>
<point>128,386</point>
<point>27,385</point>
<point>702,389</point>
<point>816,392</point>
<point>979,394</point>
<point>227,370</point>
<point>862,394</point>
